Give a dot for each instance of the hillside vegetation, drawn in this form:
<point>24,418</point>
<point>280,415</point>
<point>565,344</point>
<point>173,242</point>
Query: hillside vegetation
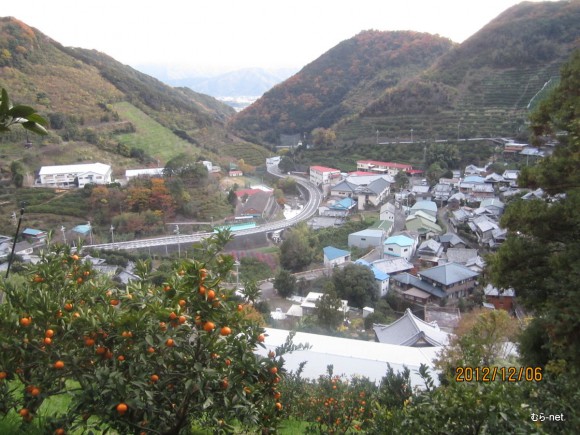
<point>403,86</point>
<point>91,99</point>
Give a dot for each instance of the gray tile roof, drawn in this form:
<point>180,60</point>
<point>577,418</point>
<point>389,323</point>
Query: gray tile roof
<point>448,274</point>
<point>411,280</point>
<point>409,330</point>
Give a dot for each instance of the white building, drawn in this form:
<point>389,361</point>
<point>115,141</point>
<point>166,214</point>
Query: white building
<point>73,175</point>
<point>144,172</point>
<point>324,177</point>
<point>400,246</point>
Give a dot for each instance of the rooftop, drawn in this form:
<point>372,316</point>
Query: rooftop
<point>448,273</point>
<point>399,240</point>
<point>333,253</point>
<point>410,330</point>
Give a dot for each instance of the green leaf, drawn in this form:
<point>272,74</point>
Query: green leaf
<point>38,119</point>
<point>21,111</point>
<point>35,128</point>
<point>5,103</point>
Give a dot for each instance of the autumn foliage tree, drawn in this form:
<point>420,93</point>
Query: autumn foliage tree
<point>143,358</point>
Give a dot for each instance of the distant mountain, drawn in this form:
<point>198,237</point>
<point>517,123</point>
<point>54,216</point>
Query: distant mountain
<point>340,83</point>
<point>402,85</point>
<point>95,101</point>
<point>240,83</point>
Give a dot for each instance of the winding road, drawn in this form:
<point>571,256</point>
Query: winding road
<point>314,196</point>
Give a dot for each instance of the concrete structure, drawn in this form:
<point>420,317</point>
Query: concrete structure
<point>75,175</point>
<point>390,168</point>
<point>334,256</point>
<point>144,172</point>
<point>324,177</point>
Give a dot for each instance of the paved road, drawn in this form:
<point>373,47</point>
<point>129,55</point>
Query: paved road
<point>314,196</point>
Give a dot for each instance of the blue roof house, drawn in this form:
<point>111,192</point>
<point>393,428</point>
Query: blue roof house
<point>334,256</point>
<point>381,277</point>
<point>399,246</point>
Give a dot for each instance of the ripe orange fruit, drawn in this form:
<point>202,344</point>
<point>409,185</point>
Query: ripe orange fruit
<point>169,342</point>
<point>273,370</point>
<point>240,307</point>
<point>151,350</point>
<point>225,331</point>
<point>114,302</point>
<point>100,350</point>
<point>271,354</point>
<point>59,431</point>
<point>173,316</point>
<point>182,319</point>
<point>211,295</point>
<point>89,341</point>
<point>224,383</point>
<point>75,257</point>
<point>25,321</point>
<point>202,290</point>
<point>209,326</point>
<point>261,338</point>
<point>167,288</point>
<point>121,358</point>
<point>35,391</point>
<point>79,280</point>
<point>182,302</point>
<point>58,365</point>
<point>3,375</point>
<point>47,340</point>
<point>203,273</point>
<point>49,333</point>
<point>277,395</point>
<point>38,278</point>
<point>228,361</point>
<point>24,412</point>
<point>122,408</point>
<point>278,406</point>
<point>154,378</point>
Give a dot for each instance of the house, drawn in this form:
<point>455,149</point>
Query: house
<point>334,256</point>
<point>399,246</point>
<point>442,191</point>
<point>340,208</point>
<point>387,212</point>
<point>468,183</point>
<point>494,179</point>
<point>494,205</point>
<point>381,278</point>
<point>430,250</point>
<point>34,236</point>
<point>483,227</point>
<point>473,170</point>
<point>511,176</point>
<point>393,265</point>
<point>349,357</point>
<point>415,289</point>
<point>410,330</point>
<point>423,225</point>
<point>382,167</point>
<point>367,190</point>
<point>74,175</point>
<point>421,193</point>
<point>344,189</point>
<point>501,299</point>
<point>368,238</point>
<point>513,147</point>
<point>454,279</point>
<point>429,207</point>
<point>451,240</point>
<point>324,177</point>
<point>535,194</point>
<point>235,173</point>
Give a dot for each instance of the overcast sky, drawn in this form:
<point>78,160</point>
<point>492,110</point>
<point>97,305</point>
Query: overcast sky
<point>232,34</point>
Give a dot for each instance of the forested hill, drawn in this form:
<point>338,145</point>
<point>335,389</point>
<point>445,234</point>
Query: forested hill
<point>94,100</point>
<point>398,82</point>
<point>340,83</point>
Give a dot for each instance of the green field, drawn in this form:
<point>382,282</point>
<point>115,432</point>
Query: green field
<point>156,140</point>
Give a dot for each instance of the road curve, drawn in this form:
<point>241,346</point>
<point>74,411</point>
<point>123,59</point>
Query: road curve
<point>314,199</point>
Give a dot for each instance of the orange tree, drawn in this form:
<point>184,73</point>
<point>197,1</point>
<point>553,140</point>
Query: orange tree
<point>137,359</point>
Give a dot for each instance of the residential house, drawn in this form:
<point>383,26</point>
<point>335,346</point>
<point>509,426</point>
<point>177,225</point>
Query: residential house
<point>495,179</point>
<point>468,183</point>
<point>381,278</point>
<point>387,212</point>
<point>473,170</point>
<point>344,189</point>
<point>430,250</point>
<point>74,175</point>
<point>393,265</point>
<point>483,227</point>
<point>410,330</point>
<point>442,191</point>
<point>421,193</point>
<point>368,190</point>
<point>390,168</point>
<point>415,289</point>
<point>501,299</point>
<point>423,224</point>
<point>459,256</point>
<point>454,279</point>
<point>534,194</point>
<point>334,256</point>
<point>143,173</point>
<point>34,236</point>
<point>428,207</point>
<point>400,246</point>
<point>513,148</point>
<point>451,240</point>
<point>368,238</point>
<point>494,205</point>
<point>341,208</point>
<point>511,176</point>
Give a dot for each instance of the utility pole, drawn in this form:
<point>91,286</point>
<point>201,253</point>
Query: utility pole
<point>63,229</point>
<point>14,243</point>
